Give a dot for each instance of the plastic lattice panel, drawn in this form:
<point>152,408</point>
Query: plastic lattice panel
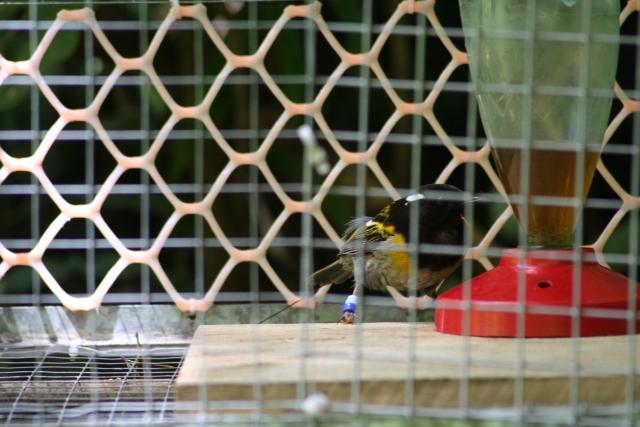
<point>91,211</point>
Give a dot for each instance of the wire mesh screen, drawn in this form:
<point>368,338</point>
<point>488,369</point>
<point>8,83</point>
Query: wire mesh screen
<point>208,153</point>
<point>165,158</point>
<point>106,386</point>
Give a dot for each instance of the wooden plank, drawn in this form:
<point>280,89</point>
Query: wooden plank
<point>224,362</point>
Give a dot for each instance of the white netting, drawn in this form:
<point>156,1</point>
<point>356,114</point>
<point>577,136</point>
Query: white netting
<point>145,63</point>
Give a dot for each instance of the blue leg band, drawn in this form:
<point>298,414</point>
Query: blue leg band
<point>350,304</point>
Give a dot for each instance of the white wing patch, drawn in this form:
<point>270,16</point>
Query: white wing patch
<point>414,197</point>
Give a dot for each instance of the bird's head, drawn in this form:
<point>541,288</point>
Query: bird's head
<point>440,206</point>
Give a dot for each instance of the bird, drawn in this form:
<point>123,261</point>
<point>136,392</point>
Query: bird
<point>376,251</point>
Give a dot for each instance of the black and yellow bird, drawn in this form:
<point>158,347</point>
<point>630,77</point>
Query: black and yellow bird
<point>376,252</point>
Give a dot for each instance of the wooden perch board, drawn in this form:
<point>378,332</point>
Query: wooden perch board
<point>225,362</point>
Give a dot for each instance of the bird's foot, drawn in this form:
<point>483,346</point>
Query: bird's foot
<point>347,318</point>
<point>348,310</point>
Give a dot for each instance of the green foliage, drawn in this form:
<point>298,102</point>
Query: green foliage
<point>66,44</point>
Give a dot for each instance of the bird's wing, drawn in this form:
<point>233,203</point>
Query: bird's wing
<point>355,227</point>
<point>364,235</point>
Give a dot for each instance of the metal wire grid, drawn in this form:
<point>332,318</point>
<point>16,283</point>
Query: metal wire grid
<point>364,156</point>
<point>518,413</point>
<point>41,385</point>
<point>68,189</point>
<point>421,109</point>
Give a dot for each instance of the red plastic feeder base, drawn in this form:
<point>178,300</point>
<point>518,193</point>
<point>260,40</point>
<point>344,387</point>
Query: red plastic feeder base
<point>548,302</point>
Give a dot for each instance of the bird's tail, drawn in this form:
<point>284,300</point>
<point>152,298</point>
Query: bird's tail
<point>332,273</point>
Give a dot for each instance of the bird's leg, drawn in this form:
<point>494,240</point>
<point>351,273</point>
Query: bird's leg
<point>349,309</point>
<point>351,304</point>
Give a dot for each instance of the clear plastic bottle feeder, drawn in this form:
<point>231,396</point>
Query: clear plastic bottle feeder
<point>544,73</point>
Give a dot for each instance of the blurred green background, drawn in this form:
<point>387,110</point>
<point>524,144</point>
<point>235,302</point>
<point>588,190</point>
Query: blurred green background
<point>244,110</point>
